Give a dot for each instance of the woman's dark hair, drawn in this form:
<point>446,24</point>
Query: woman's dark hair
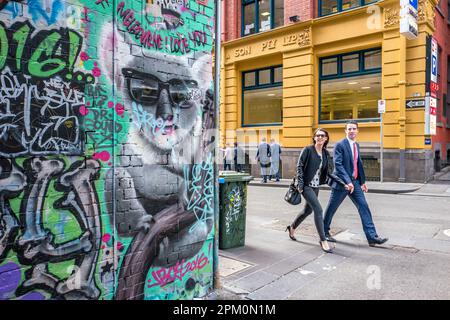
<point>326,134</point>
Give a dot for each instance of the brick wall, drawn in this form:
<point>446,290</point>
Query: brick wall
<point>106,164</point>
<point>232,15</point>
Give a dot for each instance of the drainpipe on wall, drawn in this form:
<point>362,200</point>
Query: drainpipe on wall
<point>402,114</point>
<point>217,66</point>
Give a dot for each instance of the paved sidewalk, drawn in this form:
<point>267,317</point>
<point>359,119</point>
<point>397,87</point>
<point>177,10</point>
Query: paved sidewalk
<point>410,265</point>
<point>374,186</point>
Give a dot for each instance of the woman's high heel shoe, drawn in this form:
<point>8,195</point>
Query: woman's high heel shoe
<point>323,248</point>
<point>288,228</point>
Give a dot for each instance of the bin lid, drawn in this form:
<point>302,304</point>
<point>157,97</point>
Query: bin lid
<point>232,176</point>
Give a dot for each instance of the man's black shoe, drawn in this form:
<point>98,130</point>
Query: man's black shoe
<point>377,240</point>
<point>330,238</point>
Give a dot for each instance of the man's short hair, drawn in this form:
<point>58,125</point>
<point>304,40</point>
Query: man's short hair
<point>351,122</point>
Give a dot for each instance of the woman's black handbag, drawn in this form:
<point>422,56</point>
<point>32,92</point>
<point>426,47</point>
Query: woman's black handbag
<point>293,196</point>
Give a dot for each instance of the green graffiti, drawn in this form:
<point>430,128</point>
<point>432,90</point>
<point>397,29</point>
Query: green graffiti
<point>75,47</point>
<point>21,36</point>
<point>40,65</point>
<point>3,46</point>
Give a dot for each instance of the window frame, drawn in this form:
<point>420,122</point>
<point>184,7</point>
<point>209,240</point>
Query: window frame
<point>340,75</point>
<point>257,86</point>
<point>257,26</point>
<point>339,7</point>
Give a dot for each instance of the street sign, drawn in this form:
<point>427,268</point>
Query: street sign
<point>434,60</point>
<point>381,106</point>
<point>430,115</point>
<point>415,104</point>
<point>408,19</point>
<point>427,141</point>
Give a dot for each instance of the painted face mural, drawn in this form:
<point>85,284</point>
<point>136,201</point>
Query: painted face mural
<point>106,155</point>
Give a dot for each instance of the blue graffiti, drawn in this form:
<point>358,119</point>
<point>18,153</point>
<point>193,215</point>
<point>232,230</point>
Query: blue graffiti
<point>38,11</point>
<point>201,201</point>
<point>146,121</point>
<point>14,8</point>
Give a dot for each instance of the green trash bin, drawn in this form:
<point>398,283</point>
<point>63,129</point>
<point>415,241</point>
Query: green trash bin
<point>232,203</point>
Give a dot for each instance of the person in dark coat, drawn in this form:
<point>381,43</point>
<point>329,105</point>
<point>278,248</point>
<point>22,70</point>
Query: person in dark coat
<point>314,167</point>
<point>349,167</point>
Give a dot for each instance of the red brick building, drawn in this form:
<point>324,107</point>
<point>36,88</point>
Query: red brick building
<point>441,141</point>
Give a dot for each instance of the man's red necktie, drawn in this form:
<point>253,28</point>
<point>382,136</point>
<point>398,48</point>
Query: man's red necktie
<point>355,162</point>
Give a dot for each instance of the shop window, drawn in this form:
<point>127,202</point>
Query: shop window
<point>372,59</point>
<point>350,86</point>
<point>262,102</point>
<point>249,79</point>
<point>329,67</point>
<point>261,15</point>
<point>350,63</point>
<point>327,7</point>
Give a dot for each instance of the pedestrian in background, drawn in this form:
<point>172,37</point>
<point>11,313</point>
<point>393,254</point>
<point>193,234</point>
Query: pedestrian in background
<point>263,157</point>
<point>349,167</point>
<point>228,157</point>
<point>314,167</point>
<point>238,157</point>
<point>275,151</point>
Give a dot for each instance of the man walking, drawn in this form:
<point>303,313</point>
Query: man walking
<point>228,157</point>
<point>349,167</point>
<point>239,158</point>
<point>263,157</point>
<point>275,151</point>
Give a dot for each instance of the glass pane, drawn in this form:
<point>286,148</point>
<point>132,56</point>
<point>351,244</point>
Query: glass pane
<point>348,4</point>
<point>263,106</point>
<point>350,97</point>
<point>329,66</point>
<point>249,79</point>
<point>372,59</point>
<point>264,15</point>
<point>329,6</point>
<point>278,74</point>
<point>264,77</point>
<point>249,19</point>
<point>350,63</point>
<point>279,13</point>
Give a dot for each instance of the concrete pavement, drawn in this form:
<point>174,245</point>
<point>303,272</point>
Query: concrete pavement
<point>374,186</point>
<point>412,265</point>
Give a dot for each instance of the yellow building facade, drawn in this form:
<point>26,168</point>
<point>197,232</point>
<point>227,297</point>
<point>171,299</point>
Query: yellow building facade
<point>299,48</point>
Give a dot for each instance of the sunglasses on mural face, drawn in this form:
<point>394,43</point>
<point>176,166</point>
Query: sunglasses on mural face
<point>145,88</point>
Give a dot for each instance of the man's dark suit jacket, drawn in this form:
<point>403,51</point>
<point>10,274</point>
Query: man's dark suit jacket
<point>343,164</point>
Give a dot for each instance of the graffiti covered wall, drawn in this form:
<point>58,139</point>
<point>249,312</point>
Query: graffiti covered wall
<point>107,137</point>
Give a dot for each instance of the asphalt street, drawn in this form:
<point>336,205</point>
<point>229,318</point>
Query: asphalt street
<point>414,263</point>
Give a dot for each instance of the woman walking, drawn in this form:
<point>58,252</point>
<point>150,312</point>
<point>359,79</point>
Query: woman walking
<point>314,167</point>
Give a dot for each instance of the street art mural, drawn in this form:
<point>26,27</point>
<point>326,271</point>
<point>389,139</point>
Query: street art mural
<point>107,138</point>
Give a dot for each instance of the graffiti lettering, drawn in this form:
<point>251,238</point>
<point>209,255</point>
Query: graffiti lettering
<point>38,118</point>
<point>100,127</point>
<point>40,10</point>
<point>155,40</point>
<point>164,276</point>
<point>233,209</point>
<point>201,201</point>
<point>55,51</point>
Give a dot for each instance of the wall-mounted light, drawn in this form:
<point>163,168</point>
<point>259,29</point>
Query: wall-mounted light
<point>295,18</point>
